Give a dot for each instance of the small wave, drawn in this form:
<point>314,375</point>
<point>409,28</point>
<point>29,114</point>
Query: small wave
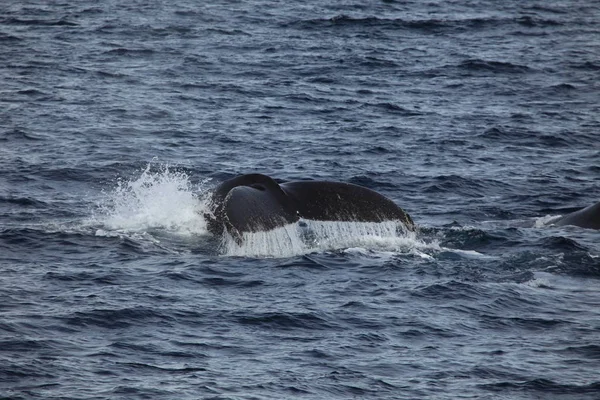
<point>512,135</point>
<point>590,351</point>
<point>346,20</point>
<point>392,108</point>
<point>561,243</point>
<point>544,8</point>
<point>544,386</point>
<point>532,22</point>
<point>121,51</point>
<point>19,134</point>
<point>166,369</point>
<point>23,201</point>
<point>478,65</point>
<point>32,92</point>
<point>431,25</point>
<point>116,318</point>
<point>587,66</point>
<point>470,254</point>
<point>286,321</point>
<point>38,22</point>
<point>562,87</point>
<point>227,32</point>
<point>5,37</point>
<point>471,187</point>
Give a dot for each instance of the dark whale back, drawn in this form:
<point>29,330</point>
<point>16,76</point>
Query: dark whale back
<point>255,202</point>
<point>588,217</point>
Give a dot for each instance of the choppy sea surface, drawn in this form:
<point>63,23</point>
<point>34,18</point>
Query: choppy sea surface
<point>480,118</point>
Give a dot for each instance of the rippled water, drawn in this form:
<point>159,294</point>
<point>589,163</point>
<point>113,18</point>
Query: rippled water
<point>478,118</point>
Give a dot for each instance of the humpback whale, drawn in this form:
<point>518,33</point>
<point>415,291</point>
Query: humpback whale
<point>588,217</point>
<point>256,202</point>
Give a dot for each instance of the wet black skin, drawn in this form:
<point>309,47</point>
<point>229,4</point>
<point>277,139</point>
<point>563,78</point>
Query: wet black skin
<point>255,202</point>
<point>588,217</point>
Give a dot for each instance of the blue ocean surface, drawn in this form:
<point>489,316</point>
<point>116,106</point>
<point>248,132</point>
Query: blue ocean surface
<point>480,118</point>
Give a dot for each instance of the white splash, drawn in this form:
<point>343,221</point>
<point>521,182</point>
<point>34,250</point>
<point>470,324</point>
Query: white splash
<point>542,222</point>
<point>162,199</point>
<point>539,283</point>
<point>285,241</point>
<point>308,236</point>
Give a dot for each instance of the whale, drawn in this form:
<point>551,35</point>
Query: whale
<point>257,203</point>
<point>588,218</point>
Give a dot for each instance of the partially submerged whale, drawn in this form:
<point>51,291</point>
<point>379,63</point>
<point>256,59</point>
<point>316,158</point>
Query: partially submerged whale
<point>255,203</point>
<point>588,217</point>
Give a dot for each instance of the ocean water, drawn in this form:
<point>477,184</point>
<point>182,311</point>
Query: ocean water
<point>480,118</point>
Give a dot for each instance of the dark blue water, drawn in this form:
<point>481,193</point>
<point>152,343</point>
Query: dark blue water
<point>481,119</point>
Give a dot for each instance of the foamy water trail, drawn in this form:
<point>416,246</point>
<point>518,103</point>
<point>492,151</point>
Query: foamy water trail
<point>163,199</point>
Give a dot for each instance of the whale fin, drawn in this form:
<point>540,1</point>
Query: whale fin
<point>256,203</point>
<point>588,217</point>
<point>338,201</point>
<point>254,209</point>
